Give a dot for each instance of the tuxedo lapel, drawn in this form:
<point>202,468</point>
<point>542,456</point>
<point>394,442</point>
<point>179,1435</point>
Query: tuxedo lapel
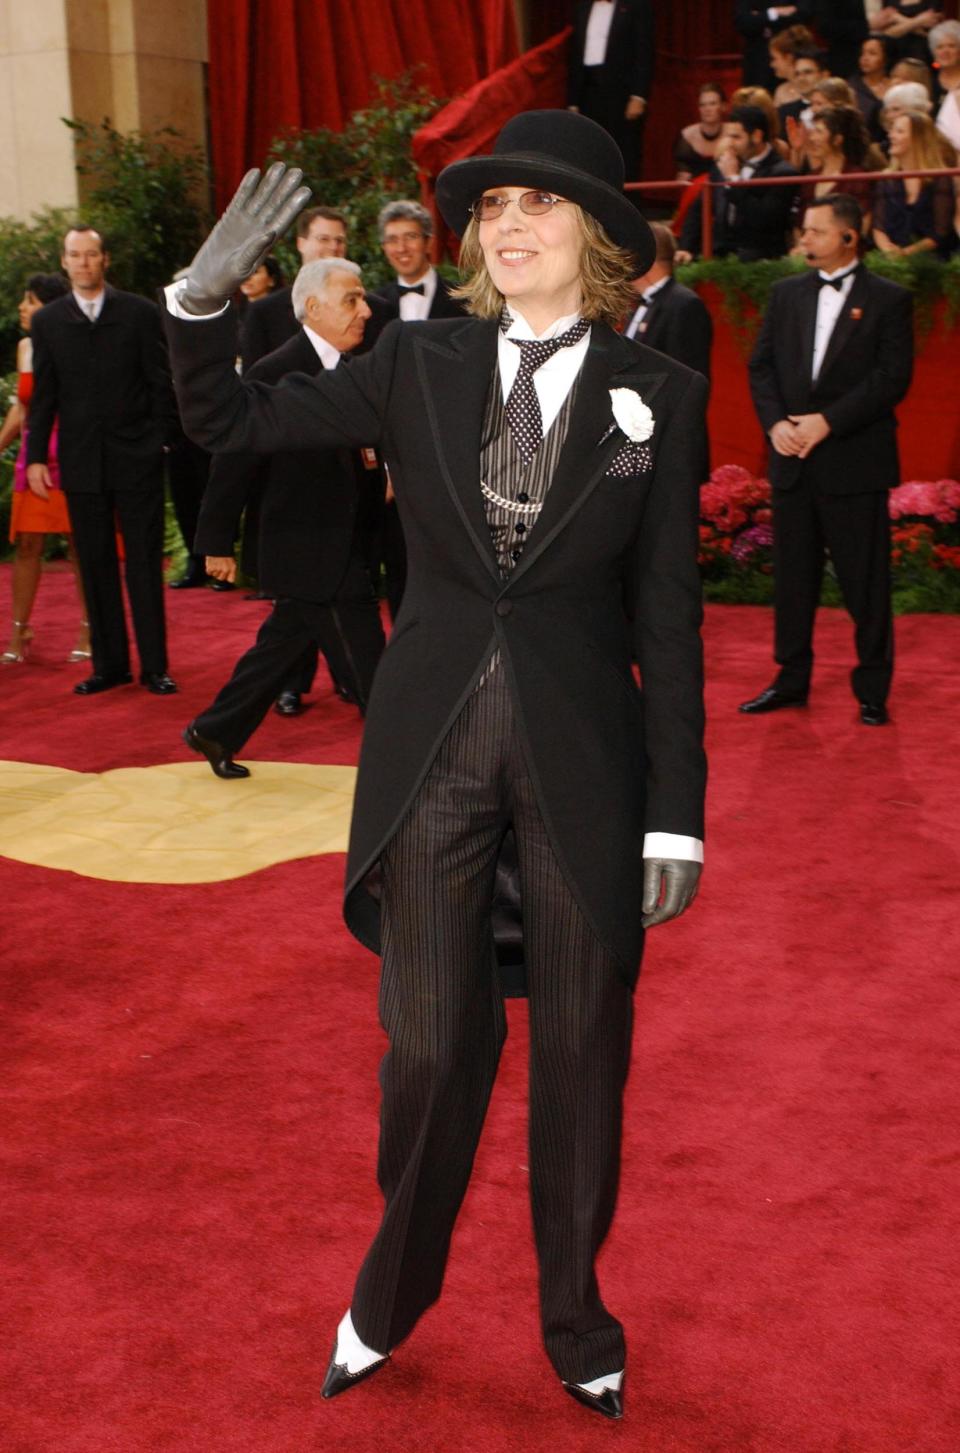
<point>846,322</point>
<point>454,376</point>
<point>591,442</point>
<point>807,327</point>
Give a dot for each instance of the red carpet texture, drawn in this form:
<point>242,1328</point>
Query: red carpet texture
<point>189,1108</point>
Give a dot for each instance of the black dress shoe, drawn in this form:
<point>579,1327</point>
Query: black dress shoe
<point>338,1379</point>
<point>219,758</point>
<point>288,703</point>
<point>96,683</point>
<point>609,1402</point>
<point>771,699</point>
<point>158,682</point>
<point>258,595</point>
<point>221,584</point>
<point>192,578</point>
<point>345,694</point>
<point>873,713</point>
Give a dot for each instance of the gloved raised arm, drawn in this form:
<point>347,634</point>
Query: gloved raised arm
<point>260,212</point>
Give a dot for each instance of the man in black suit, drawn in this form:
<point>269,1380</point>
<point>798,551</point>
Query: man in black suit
<point>310,556</point>
<point>669,317</point>
<point>834,358</point>
<point>611,71</point>
<point>758,23</point>
<point>748,222</point>
<point>100,371</point>
<point>405,230</point>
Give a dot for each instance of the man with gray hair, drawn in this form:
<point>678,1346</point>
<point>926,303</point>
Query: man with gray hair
<point>311,560</point>
<point>406,229</point>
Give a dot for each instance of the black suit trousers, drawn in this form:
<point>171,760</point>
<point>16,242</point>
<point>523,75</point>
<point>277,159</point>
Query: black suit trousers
<point>139,514</point>
<point>442,1009</point>
<point>347,629</point>
<point>855,530</point>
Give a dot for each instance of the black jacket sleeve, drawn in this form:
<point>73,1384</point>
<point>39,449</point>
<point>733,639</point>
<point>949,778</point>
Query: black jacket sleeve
<point>764,386</point>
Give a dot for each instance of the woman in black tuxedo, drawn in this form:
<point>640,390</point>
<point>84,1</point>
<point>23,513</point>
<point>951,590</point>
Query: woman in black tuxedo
<point>546,469</point>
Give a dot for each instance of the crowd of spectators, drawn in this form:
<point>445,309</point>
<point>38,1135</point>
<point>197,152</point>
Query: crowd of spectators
<point>897,112</point>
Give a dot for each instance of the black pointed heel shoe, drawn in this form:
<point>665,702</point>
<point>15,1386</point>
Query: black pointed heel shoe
<point>609,1402</point>
<point>338,1379</point>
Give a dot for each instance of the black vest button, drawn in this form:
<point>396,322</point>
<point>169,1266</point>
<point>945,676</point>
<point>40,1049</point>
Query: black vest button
<point>504,607</point>
<point>523,498</point>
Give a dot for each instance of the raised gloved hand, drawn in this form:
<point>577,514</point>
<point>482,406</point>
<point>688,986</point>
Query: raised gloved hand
<point>260,212</point>
<point>677,879</point>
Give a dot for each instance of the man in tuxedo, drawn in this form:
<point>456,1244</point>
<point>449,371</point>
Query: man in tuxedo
<point>100,369</point>
<point>809,69</point>
<point>758,23</point>
<point>405,230</point>
<point>310,558</point>
<point>611,71</point>
<point>669,317</point>
<point>748,222</point>
<point>834,358</point>
<point>321,232</point>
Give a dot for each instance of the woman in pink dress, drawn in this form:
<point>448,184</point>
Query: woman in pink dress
<point>32,519</point>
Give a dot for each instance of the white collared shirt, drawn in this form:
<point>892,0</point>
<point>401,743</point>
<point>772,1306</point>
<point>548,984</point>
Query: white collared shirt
<point>830,305</point>
<point>90,307</point>
<point>553,381</point>
<point>415,307</point>
<point>598,32</point>
<point>649,294</point>
<point>328,355</point>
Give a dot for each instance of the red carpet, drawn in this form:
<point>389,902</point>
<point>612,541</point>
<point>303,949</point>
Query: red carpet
<point>189,1109</point>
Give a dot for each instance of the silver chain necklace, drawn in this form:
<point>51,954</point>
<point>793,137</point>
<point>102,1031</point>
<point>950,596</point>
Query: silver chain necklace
<point>514,506</point>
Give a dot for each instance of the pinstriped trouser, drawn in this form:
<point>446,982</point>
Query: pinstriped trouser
<point>444,1015</point>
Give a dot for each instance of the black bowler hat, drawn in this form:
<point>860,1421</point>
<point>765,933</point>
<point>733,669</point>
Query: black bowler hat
<point>562,152</point>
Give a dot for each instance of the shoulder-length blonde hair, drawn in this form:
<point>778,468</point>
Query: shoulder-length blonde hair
<point>606,272</point>
<point>924,145</point>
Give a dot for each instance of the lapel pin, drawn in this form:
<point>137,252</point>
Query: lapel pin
<point>856,314</point>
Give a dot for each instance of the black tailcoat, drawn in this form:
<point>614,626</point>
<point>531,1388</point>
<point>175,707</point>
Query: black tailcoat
<point>865,373</point>
<point>108,384</point>
<point>443,306</point>
<point>678,323</point>
<point>306,531</point>
<point>608,761</point>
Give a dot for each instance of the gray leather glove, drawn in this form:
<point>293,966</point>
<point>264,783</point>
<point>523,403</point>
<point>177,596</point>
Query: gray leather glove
<point>260,212</point>
<point>678,880</point>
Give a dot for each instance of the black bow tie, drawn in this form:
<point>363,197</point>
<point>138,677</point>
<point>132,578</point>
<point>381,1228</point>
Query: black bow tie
<point>414,288</point>
<point>834,282</point>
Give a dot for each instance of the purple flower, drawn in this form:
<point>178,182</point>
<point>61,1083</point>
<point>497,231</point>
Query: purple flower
<point>748,542</point>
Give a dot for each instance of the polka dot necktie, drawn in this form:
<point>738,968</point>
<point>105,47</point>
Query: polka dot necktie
<point>522,406</point>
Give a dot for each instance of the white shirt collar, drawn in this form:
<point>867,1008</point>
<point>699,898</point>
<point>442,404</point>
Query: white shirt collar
<point>84,303</point>
<point>841,271</point>
<point>520,328</point>
<point>328,355</point>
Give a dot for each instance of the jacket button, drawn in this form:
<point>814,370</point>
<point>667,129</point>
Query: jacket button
<point>504,607</point>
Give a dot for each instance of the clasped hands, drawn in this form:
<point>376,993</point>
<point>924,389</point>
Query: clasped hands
<point>799,434</point>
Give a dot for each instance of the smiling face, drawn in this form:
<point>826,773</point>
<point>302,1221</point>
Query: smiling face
<point>901,139</point>
<point>406,249</point>
<point>534,261</point>
<point>819,141</point>
<point>947,52</point>
<point>806,75</point>
<point>325,238</point>
<point>257,285</point>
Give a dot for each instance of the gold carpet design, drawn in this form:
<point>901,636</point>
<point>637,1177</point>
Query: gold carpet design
<point>175,823</point>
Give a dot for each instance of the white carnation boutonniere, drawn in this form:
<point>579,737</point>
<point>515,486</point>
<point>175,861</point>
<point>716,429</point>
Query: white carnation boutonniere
<point>633,416</point>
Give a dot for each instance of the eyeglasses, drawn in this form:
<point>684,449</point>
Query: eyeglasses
<point>535,204</point>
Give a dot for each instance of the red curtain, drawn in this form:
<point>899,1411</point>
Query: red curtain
<point>279,63</point>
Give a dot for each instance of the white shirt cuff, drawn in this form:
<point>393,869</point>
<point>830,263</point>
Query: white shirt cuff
<point>173,292</point>
<point>672,845</point>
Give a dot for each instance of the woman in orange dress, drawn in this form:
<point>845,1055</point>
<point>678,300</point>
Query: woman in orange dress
<point>32,518</point>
